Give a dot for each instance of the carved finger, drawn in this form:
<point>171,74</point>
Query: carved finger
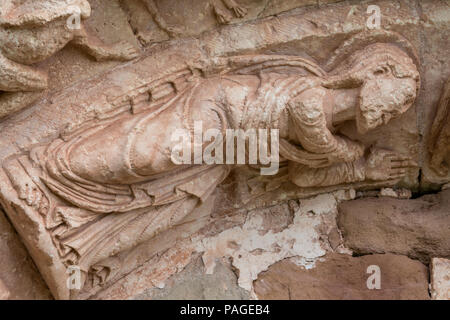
<point>403,164</point>
<point>240,12</point>
<point>396,157</point>
<point>398,171</point>
<point>396,177</point>
<point>391,155</point>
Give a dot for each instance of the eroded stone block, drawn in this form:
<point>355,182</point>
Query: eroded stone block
<point>440,279</point>
<point>19,278</point>
<point>418,228</point>
<point>343,277</point>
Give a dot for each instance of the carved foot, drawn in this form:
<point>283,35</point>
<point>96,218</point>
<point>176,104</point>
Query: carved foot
<point>222,15</point>
<point>18,77</point>
<point>11,102</point>
<point>239,11</point>
<point>122,51</point>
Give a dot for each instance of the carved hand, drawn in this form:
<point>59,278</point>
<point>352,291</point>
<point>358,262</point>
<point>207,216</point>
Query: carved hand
<point>123,51</point>
<point>383,164</point>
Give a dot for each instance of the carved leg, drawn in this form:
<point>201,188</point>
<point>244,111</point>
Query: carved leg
<point>11,102</point>
<point>18,77</point>
<point>96,48</point>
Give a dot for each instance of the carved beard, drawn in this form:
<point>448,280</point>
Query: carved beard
<point>382,100</point>
<point>368,119</point>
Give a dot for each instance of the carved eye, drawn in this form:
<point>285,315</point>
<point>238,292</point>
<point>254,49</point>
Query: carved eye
<point>381,70</point>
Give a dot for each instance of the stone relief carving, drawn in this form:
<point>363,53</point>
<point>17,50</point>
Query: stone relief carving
<point>439,146</point>
<point>32,31</point>
<point>109,184</point>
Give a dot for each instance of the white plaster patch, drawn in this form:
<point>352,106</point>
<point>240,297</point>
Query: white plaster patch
<point>252,251</point>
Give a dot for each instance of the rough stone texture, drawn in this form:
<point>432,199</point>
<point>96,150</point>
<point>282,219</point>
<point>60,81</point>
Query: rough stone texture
<point>194,284</point>
<point>198,40</point>
<point>343,277</point>
<point>4,292</point>
<point>273,234</point>
<point>436,32</point>
<point>19,276</point>
<point>251,241</point>
<point>32,31</point>
<point>440,279</point>
<point>418,228</point>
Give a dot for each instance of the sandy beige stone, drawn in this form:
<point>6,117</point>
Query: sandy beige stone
<point>87,174</point>
<point>20,280</point>
<point>343,277</point>
<point>440,279</point>
<point>31,32</point>
<point>418,228</point>
<point>192,283</point>
<point>4,292</point>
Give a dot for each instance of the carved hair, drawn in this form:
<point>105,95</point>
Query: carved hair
<point>364,64</point>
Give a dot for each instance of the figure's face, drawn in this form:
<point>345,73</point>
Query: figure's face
<point>382,99</point>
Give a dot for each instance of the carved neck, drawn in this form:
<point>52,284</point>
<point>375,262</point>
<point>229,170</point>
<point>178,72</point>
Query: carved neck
<point>344,104</point>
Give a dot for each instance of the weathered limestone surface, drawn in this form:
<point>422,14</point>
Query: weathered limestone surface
<point>436,68</point>
<point>87,115</point>
<point>4,292</point>
<point>194,284</point>
<point>250,242</point>
<point>31,32</point>
<point>440,279</point>
<point>19,278</point>
<point>343,277</point>
<point>417,228</point>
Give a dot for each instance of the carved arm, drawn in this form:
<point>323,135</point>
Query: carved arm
<point>310,128</point>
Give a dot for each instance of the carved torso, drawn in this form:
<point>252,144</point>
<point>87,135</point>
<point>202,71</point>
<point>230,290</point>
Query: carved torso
<point>143,142</point>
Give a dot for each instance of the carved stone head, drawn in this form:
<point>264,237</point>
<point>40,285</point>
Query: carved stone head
<point>389,82</point>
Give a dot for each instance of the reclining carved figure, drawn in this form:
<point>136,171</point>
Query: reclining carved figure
<point>121,188</point>
<point>32,31</point>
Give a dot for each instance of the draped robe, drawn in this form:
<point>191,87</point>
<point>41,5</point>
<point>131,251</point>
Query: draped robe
<point>109,216</point>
